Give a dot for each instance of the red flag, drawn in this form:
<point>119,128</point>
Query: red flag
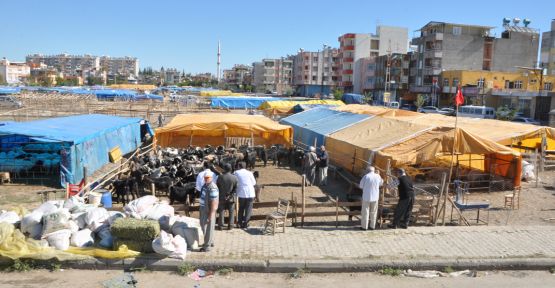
<point>459,99</point>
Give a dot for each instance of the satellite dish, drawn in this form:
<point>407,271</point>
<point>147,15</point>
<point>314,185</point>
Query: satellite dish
<point>516,20</point>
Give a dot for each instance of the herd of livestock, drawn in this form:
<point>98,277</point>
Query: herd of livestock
<point>174,170</point>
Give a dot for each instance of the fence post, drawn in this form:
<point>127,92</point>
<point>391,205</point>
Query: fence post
<point>303,181</point>
<point>536,162</point>
<point>443,181</point>
<point>385,184</point>
<point>336,211</point>
<point>153,189</point>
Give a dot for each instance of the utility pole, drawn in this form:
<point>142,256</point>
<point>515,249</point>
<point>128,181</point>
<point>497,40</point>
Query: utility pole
<point>388,74</point>
<point>323,63</point>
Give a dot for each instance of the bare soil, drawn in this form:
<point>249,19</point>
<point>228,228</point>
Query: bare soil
<point>92,278</point>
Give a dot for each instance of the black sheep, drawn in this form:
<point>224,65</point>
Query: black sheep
<point>183,194</point>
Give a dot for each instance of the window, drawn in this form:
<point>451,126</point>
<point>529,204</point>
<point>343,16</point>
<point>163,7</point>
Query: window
<point>455,82</point>
<point>445,82</point>
<point>518,84</point>
<point>457,30</point>
<point>548,86</point>
<point>420,63</point>
<point>313,78</point>
<point>480,82</point>
<point>315,59</point>
<point>375,44</point>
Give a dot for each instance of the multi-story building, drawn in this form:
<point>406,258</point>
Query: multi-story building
<point>528,90</point>
<point>79,65</point>
<point>273,75</point>
<point>315,72</point>
<point>355,46</point>
<point>170,76</point>
<point>548,50</point>
<point>391,85</point>
<point>238,75</point>
<point>449,46</point>
<point>13,72</point>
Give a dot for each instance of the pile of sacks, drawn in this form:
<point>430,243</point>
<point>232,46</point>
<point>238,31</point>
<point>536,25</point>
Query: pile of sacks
<point>72,222</point>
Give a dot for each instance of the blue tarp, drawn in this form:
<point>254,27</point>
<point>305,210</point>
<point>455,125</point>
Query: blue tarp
<point>9,90</point>
<point>85,140</point>
<point>350,98</point>
<point>241,102</point>
<point>148,97</point>
<point>314,124</point>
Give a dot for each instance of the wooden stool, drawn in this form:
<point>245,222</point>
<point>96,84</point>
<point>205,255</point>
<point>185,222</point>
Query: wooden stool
<point>5,177</point>
<point>511,199</point>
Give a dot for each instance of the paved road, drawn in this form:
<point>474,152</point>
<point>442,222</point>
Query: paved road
<point>413,243</point>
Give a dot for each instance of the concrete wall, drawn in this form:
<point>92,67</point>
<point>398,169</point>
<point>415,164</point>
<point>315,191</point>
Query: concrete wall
<point>521,49</point>
<point>462,52</point>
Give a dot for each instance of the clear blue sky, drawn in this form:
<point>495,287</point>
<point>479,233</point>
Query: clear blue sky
<point>184,34</point>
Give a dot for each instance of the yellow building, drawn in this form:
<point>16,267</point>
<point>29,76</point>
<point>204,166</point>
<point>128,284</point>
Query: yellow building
<point>527,90</point>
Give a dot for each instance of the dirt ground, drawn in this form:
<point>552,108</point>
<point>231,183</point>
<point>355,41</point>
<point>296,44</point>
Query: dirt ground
<point>537,204</point>
<point>85,279</point>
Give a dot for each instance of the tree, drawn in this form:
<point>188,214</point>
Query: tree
<point>505,113</point>
<point>420,101</point>
<point>337,93</point>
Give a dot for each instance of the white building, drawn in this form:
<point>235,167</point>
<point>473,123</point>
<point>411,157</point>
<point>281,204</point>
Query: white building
<point>13,72</point>
<point>355,46</point>
<point>273,75</point>
<point>314,72</point>
<point>76,65</point>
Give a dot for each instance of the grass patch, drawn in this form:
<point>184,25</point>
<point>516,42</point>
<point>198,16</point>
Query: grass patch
<point>26,265</point>
<point>448,269</point>
<point>225,271</point>
<point>185,268</point>
<point>391,271</point>
<point>552,270</point>
<point>300,273</point>
<point>139,269</point>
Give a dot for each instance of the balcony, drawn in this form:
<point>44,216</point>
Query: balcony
<point>346,83</point>
<point>348,71</point>
<point>433,53</point>
<point>432,71</point>
<point>347,60</point>
<point>349,47</point>
<point>434,36</point>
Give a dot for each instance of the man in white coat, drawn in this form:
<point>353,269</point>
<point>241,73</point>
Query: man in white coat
<point>245,193</point>
<point>370,185</point>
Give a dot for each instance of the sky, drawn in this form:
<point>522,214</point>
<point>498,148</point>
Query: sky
<point>184,34</point>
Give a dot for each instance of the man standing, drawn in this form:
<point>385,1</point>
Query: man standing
<point>370,185</point>
<point>323,166</point>
<point>403,211</point>
<point>227,186</point>
<point>200,176</point>
<point>160,120</point>
<point>208,206</point>
<point>246,194</point>
<point>310,162</point>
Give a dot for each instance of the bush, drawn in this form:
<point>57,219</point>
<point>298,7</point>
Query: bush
<point>391,271</point>
<point>185,268</point>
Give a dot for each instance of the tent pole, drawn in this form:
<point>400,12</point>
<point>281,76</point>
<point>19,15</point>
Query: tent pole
<point>446,195</point>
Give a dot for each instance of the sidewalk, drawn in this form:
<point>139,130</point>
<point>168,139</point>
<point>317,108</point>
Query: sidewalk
<point>349,250</point>
<point>413,243</point>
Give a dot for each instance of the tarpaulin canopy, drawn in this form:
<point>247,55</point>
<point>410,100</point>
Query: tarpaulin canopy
<point>82,140</point>
<point>350,98</point>
<point>347,147</point>
<point>503,132</point>
<point>9,90</point>
<point>213,128</point>
<point>310,127</point>
<point>283,107</point>
<point>240,102</point>
<point>218,93</point>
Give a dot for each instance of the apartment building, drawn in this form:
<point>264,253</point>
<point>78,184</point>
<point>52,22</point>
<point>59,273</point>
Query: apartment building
<point>79,65</point>
<point>170,76</point>
<point>391,85</point>
<point>355,46</point>
<point>528,90</point>
<point>547,55</point>
<point>238,75</point>
<point>13,72</point>
<point>314,73</point>
<point>273,75</point>
<point>449,46</point>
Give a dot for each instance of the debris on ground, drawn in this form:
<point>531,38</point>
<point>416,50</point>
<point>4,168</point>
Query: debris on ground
<point>435,273</point>
<point>127,280</point>
<point>200,274</point>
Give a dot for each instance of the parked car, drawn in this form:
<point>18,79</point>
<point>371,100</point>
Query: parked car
<point>525,120</point>
<point>428,109</point>
<point>447,111</point>
<point>408,107</point>
<point>392,105</point>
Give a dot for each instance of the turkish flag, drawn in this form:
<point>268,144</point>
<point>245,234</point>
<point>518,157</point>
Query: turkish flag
<point>459,99</point>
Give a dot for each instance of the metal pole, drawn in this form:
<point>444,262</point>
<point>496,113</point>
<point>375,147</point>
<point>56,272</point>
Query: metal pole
<point>303,182</point>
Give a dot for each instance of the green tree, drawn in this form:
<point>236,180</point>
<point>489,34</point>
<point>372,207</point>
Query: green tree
<point>337,93</point>
<point>420,101</point>
<point>505,113</point>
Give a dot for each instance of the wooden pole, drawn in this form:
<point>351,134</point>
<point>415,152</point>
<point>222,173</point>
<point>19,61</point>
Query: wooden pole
<point>536,166</point>
<point>303,182</point>
<point>385,185</point>
<point>446,194</point>
<point>336,211</point>
<point>443,182</point>
<point>153,189</point>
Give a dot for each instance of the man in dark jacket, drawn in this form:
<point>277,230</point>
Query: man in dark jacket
<point>227,185</point>
<point>403,211</point>
<point>323,166</point>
